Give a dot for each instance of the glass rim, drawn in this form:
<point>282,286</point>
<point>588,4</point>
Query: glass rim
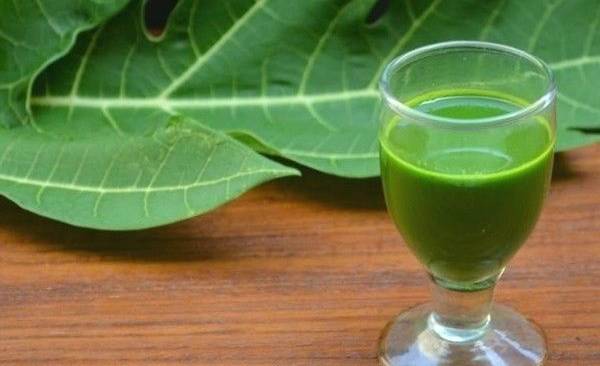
<point>530,109</point>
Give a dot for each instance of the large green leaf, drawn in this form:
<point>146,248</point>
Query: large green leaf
<point>103,168</point>
<point>33,33</point>
<point>300,77</point>
<point>102,177</point>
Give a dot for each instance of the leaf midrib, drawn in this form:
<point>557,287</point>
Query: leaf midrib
<point>116,190</point>
<point>198,102</point>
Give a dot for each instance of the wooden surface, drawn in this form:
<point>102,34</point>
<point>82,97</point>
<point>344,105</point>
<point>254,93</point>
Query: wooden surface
<point>297,272</point>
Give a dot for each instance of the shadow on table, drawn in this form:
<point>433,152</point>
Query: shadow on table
<point>171,243</point>
<point>563,171</point>
<point>361,194</point>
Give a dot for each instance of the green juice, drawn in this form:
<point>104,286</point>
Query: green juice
<point>465,200</point>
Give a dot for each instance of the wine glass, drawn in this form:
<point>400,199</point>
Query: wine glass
<point>466,138</point>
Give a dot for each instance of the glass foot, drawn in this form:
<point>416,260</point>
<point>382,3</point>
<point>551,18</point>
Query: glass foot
<point>510,339</point>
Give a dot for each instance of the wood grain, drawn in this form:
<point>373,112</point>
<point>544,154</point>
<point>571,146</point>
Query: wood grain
<point>297,272</point>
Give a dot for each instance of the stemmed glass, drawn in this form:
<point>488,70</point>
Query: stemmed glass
<point>466,145</point>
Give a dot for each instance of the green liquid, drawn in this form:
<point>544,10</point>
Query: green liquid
<point>465,201</point>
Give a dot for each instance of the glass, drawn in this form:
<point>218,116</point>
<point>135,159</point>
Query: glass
<point>466,145</point>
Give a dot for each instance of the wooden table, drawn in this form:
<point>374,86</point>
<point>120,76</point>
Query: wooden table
<point>297,272</point>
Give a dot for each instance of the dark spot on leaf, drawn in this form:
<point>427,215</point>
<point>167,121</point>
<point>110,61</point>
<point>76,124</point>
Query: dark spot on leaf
<point>378,10</point>
<point>156,14</point>
<point>586,129</point>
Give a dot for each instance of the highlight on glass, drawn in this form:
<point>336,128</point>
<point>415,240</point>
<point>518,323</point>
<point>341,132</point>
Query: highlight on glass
<point>467,136</point>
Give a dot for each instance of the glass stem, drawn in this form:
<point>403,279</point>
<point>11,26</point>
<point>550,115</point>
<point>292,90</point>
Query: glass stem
<point>459,315</point>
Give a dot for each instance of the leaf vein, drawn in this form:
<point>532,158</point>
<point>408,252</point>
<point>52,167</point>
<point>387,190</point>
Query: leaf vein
<point>404,40</point>
<point>318,49</point>
<point>201,61</point>
<point>49,20</point>
<point>82,66</point>
<point>126,190</point>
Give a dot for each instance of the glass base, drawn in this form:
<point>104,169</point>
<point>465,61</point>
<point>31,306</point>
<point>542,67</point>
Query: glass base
<point>508,339</point>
